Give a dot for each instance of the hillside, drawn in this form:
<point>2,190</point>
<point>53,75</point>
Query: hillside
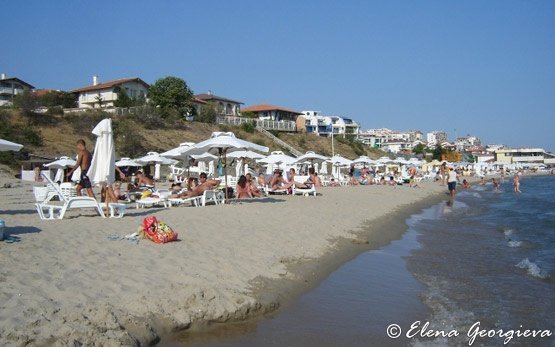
<point>55,135</point>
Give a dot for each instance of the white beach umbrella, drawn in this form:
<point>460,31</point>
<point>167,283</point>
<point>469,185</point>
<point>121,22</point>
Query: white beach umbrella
<point>177,151</point>
<point>278,157</point>
<point>124,162</point>
<point>62,163</point>
<point>103,167</point>
<point>6,145</point>
<point>204,157</point>
<point>245,154</point>
<point>310,157</point>
<point>338,160</point>
<point>364,160</point>
<point>222,143</point>
<point>155,158</point>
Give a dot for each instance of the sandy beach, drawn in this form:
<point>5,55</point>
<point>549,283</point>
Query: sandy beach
<point>65,282</point>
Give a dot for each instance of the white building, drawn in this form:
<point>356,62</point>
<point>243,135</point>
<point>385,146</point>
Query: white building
<point>396,146</point>
<point>10,87</point>
<point>315,123</point>
<point>100,95</point>
<point>524,155</point>
<point>391,140</point>
<point>467,143</point>
<point>224,106</point>
<point>436,137</point>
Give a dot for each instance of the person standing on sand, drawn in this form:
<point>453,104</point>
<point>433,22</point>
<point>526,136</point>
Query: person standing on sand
<point>84,158</point>
<point>452,179</point>
<point>516,184</point>
<point>443,173</point>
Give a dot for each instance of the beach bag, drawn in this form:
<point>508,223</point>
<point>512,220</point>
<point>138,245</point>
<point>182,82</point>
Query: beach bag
<point>158,231</point>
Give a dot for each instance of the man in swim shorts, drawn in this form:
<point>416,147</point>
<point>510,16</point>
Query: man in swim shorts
<point>84,158</point>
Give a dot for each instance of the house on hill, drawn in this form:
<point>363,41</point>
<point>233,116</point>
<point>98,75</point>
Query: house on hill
<point>99,95</point>
<point>273,113</point>
<point>10,87</point>
<point>224,106</point>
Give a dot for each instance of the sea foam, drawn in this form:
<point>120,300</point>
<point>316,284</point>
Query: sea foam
<point>532,268</point>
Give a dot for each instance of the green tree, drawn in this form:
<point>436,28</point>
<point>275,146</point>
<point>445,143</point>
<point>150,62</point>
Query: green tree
<point>207,114</point>
<point>419,149</point>
<point>171,93</point>
<point>56,98</point>
<point>26,101</point>
<point>123,99</point>
<point>99,100</point>
<point>248,114</point>
<point>437,152</point>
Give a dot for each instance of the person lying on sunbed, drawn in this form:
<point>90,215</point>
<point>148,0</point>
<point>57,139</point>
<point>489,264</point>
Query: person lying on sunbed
<point>242,190</point>
<point>254,190</point>
<point>314,179</point>
<point>205,184</point>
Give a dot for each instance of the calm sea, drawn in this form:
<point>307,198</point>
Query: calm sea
<point>487,257</point>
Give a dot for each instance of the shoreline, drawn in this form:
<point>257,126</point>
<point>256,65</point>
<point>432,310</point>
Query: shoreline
<point>67,283</point>
<point>277,294</point>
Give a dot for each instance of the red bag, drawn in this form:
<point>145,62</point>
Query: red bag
<point>157,231</point>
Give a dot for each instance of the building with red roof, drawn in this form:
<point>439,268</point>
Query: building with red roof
<point>103,94</point>
<point>271,112</point>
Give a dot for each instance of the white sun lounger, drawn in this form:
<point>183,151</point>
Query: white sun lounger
<point>77,202</point>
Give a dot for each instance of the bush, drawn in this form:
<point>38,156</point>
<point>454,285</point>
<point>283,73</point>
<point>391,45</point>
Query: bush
<point>127,139</point>
<point>248,127</point>
<point>55,111</point>
<point>149,117</point>
<point>84,122</point>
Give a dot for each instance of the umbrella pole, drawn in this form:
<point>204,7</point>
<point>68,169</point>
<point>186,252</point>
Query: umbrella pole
<point>225,174</point>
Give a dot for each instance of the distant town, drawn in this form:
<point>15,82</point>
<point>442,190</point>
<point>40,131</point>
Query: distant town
<point>107,96</point>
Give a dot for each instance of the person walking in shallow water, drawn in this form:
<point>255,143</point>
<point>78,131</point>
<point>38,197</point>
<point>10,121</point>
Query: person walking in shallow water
<point>452,179</point>
<point>516,184</point>
<point>495,184</point>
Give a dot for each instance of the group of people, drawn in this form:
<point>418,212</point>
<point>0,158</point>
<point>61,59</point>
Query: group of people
<point>452,177</point>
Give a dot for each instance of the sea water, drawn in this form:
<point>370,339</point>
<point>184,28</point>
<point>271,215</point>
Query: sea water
<point>491,260</point>
<point>486,258</point>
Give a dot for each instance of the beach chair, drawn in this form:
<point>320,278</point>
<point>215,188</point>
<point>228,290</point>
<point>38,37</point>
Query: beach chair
<point>217,197</point>
<point>68,203</point>
<point>195,201</point>
<point>303,191</point>
<point>162,199</point>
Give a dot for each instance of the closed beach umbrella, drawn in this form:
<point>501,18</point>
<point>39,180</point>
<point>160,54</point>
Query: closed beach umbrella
<point>324,169</point>
<point>6,145</point>
<point>103,163</point>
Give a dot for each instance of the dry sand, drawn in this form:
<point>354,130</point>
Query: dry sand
<point>64,282</point>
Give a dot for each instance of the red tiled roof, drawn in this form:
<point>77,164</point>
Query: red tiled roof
<point>266,108</point>
<point>42,92</point>
<point>110,84</point>
<point>200,101</point>
<point>208,97</point>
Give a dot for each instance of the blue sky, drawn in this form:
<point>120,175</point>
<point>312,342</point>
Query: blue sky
<point>480,67</point>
